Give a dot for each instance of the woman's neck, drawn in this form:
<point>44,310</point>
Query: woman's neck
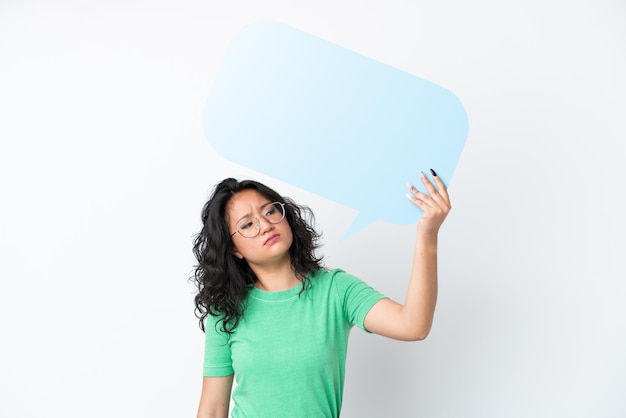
<point>275,278</point>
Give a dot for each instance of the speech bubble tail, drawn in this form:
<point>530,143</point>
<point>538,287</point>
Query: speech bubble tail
<point>357,224</point>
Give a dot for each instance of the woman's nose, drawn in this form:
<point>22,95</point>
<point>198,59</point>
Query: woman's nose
<point>264,225</point>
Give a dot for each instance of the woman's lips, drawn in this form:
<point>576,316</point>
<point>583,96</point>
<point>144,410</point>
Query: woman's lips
<point>271,239</point>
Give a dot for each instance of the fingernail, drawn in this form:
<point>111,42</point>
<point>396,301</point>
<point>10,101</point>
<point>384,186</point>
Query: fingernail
<point>433,172</point>
<point>408,196</point>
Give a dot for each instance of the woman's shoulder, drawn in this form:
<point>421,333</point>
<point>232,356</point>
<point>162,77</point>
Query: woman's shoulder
<point>331,274</point>
<point>326,274</point>
<point>332,277</point>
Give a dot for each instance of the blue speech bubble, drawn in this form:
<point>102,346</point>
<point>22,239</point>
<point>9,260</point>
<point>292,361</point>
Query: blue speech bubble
<point>331,121</point>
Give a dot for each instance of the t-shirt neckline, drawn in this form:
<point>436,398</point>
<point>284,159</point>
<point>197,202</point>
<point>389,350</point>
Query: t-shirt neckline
<point>257,293</point>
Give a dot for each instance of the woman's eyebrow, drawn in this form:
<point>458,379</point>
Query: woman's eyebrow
<point>244,216</point>
<point>249,214</point>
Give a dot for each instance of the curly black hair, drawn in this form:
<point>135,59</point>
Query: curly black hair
<point>222,279</point>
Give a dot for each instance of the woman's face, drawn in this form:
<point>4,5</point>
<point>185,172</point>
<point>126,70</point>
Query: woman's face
<point>273,241</point>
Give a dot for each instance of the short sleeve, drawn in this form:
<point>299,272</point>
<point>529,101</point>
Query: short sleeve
<point>357,297</point>
<point>217,358</point>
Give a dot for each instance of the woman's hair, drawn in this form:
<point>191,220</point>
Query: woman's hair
<point>222,279</point>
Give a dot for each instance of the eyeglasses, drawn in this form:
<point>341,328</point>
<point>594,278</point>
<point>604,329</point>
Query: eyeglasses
<point>250,226</point>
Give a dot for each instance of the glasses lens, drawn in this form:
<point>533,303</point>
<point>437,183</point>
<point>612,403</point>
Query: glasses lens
<point>274,212</point>
<point>248,227</point>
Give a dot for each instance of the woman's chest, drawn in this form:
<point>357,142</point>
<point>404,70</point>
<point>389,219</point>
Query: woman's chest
<point>297,336</point>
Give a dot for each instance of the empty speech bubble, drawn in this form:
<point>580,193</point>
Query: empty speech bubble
<point>328,120</point>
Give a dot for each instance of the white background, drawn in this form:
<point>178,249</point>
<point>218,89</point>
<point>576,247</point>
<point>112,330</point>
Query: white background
<point>104,169</point>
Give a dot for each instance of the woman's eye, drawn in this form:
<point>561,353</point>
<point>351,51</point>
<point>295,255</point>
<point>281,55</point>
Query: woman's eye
<point>246,225</point>
<point>270,212</point>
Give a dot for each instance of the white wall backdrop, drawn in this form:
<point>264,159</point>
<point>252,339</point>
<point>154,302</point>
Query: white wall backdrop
<point>104,168</point>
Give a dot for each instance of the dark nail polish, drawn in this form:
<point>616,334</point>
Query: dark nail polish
<point>433,172</point>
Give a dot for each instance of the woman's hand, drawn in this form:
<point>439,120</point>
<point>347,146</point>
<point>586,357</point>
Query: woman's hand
<point>435,204</point>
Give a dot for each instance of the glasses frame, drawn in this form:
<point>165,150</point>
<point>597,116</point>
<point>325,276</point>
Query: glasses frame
<point>258,222</point>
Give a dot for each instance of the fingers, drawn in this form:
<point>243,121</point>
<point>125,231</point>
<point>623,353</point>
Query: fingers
<point>441,188</point>
<point>439,194</point>
<point>429,186</point>
<point>420,199</point>
<point>436,197</point>
<point>435,204</point>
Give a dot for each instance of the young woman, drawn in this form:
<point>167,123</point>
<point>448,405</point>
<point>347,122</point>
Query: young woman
<point>276,320</point>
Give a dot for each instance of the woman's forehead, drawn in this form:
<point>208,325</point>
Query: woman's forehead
<point>246,201</point>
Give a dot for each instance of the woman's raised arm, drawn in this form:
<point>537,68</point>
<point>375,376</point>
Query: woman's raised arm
<point>412,320</point>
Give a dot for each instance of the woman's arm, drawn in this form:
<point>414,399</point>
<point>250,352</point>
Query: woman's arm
<point>215,398</point>
<point>412,320</point>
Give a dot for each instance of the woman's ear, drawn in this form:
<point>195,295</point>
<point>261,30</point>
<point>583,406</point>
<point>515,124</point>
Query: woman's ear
<point>237,254</point>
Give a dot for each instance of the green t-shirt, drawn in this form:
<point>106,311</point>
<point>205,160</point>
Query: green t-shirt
<point>288,352</point>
